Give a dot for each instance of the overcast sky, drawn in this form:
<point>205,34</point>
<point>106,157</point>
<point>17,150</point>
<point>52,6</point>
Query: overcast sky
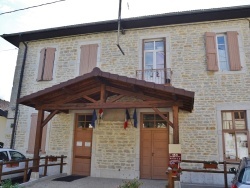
<point>71,12</point>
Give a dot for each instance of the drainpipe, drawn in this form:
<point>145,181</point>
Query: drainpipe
<point>13,135</point>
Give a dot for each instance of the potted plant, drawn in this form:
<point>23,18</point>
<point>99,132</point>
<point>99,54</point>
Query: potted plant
<point>210,164</point>
<point>52,158</point>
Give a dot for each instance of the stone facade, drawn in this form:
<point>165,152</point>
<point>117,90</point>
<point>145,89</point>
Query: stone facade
<point>200,133</point>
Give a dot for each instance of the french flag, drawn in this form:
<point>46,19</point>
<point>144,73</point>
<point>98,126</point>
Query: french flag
<point>100,113</point>
<point>127,117</point>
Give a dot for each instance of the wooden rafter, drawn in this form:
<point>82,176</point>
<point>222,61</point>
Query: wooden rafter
<point>50,116</point>
<point>129,93</point>
<point>89,99</point>
<point>163,117</point>
<point>116,105</point>
<point>175,124</point>
<point>103,93</point>
<point>115,98</point>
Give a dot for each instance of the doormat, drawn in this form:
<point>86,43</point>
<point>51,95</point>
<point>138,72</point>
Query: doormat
<point>69,178</point>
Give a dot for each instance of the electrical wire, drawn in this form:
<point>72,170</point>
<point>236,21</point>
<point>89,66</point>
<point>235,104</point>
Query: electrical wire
<point>31,7</point>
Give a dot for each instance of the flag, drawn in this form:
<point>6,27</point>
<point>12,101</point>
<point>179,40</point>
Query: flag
<point>127,117</point>
<point>94,118</point>
<point>100,113</point>
<point>135,118</point>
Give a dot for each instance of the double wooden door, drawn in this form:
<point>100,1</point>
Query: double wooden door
<point>154,154</point>
<point>82,152</point>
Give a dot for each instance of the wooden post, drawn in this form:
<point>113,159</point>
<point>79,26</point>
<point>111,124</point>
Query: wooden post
<point>38,140</point>
<point>176,124</point>
<point>103,93</point>
<point>170,178</point>
<point>26,168</point>
<point>61,164</point>
<point>45,166</point>
<point>1,170</point>
<point>225,173</point>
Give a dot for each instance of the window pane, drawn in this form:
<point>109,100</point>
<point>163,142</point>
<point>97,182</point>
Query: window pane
<point>81,124</point>
<point>148,117</point>
<point>227,124</point>
<point>4,156</point>
<point>230,148</point>
<point>148,124</point>
<point>88,117</point>
<point>149,45</point>
<point>240,124</point>
<point>159,60</point>
<point>159,45</point>
<point>161,125</point>
<point>246,176</point>
<point>227,116</point>
<point>149,60</point>
<point>242,146</point>
<point>239,115</point>
<point>81,118</point>
<point>221,40</point>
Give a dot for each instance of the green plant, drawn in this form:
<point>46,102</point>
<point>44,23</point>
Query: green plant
<point>8,184</point>
<point>135,183</point>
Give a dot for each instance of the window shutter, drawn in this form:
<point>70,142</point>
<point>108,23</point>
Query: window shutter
<point>211,51</point>
<point>88,58</point>
<point>32,136</point>
<point>233,51</point>
<point>49,64</point>
<point>41,64</point>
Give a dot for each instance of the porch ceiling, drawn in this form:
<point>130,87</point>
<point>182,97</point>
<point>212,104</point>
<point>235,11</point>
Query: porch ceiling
<point>92,89</point>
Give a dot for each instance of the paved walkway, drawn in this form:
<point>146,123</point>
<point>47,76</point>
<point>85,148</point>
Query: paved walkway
<point>90,182</point>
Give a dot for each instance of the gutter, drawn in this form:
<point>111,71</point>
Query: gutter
<point>13,135</point>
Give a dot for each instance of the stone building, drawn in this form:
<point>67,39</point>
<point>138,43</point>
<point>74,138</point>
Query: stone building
<point>184,78</point>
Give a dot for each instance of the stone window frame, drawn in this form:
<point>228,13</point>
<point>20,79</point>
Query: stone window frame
<point>234,131</point>
<point>236,106</point>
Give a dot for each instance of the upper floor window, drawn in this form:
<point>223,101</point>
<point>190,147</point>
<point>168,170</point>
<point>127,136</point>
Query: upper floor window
<point>154,62</point>
<point>235,135</point>
<point>46,64</point>
<point>222,51</point>
<point>88,58</point>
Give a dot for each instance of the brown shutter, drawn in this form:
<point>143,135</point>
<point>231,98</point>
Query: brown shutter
<point>233,51</point>
<point>41,64</point>
<point>49,64</point>
<point>32,136</point>
<point>88,58</point>
<point>211,51</point>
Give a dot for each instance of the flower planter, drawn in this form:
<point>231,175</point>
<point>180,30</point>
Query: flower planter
<point>210,165</point>
<point>52,159</point>
<point>12,165</point>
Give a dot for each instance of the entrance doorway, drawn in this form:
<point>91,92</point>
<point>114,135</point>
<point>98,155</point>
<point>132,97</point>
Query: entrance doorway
<point>154,147</point>
<point>82,145</point>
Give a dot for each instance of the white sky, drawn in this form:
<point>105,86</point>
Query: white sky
<point>71,12</point>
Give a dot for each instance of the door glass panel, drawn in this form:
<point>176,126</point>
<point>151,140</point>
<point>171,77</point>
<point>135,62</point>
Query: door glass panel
<point>161,125</point>
<point>230,147</point>
<point>148,60</point>
<point>158,117</point>
<point>148,125</point>
<point>242,145</point>
<point>81,118</point>
<point>159,60</point>
<point>148,117</point>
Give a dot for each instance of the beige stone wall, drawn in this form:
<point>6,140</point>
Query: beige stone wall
<point>115,149</point>
<point>185,55</point>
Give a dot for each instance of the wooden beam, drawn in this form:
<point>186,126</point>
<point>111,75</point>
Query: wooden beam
<point>103,93</point>
<point>50,116</point>
<point>115,105</point>
<point>115,98</point>
<point>38,139</point>
<point>89,99</point>
<point>176,124</point>
<point>130,93</point>
<point>163,117</point>
<point>77,96</point>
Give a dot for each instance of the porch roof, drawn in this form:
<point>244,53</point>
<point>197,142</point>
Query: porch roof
<point>92,89</point>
